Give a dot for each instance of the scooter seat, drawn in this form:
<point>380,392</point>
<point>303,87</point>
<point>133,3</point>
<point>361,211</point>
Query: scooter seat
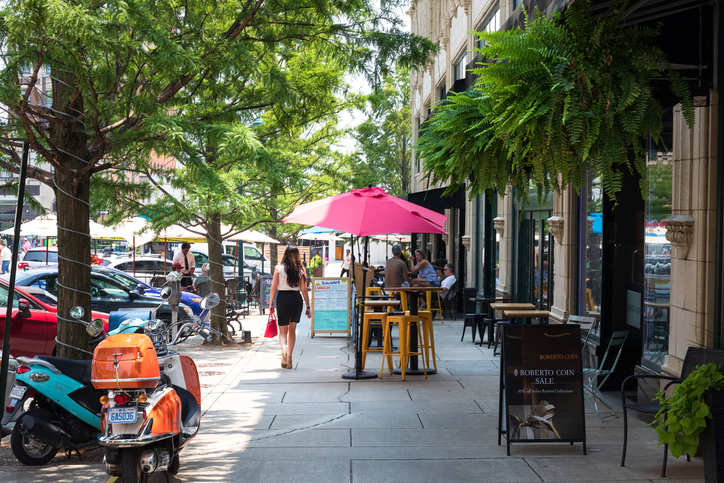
<point>78,370</point>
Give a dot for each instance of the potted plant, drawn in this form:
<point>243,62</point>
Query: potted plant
<point>317,264</point>
<point>694,414</point>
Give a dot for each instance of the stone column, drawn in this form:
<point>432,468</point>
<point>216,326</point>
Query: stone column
<point>693,230</point>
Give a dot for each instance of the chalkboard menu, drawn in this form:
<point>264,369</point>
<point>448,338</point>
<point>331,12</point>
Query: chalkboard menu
<point>330,305</point>
<point>265,292</point>
<point>541,397</point>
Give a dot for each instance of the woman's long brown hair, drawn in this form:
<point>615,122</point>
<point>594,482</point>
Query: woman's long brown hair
<point>293,266</point>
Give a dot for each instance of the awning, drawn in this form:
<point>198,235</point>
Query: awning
<point>434,200</point>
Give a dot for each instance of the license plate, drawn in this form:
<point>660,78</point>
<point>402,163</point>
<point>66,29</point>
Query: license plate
<point>122,415</point>
<point>17,391</point>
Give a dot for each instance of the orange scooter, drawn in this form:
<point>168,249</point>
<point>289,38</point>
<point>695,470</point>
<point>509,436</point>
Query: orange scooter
<point>153,405</point>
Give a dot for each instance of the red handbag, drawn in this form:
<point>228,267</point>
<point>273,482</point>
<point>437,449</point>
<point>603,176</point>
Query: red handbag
<point>271,325</point>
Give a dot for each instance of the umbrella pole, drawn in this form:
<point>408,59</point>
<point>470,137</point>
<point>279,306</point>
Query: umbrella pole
<point>165,253</point>
<point>357,373</point>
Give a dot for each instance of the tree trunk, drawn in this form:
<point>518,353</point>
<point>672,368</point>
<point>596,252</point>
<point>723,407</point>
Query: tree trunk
<point>72,195</point>
<point>216,276</point>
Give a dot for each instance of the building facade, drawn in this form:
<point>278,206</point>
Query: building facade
<point>651,265</point>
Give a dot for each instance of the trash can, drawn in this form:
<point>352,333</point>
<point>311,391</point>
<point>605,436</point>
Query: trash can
<point>469,306</point>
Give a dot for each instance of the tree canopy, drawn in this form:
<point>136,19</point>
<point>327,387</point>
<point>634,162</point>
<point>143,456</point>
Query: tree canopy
<point>94,86</point>
<point>384,139</point>
<point>565,95</point>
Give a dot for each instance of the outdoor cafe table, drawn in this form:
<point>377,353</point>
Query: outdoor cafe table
<point>412,307</point>
<point>484,304</point>
<point>526,314</point>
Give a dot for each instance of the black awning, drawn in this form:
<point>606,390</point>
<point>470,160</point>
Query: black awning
<point>435,200</point>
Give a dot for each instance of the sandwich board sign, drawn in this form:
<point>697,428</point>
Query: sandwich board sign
<point>330,305</point>
<point>541,396</point>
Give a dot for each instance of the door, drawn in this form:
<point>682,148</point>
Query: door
<point>29,330</point>
<point>534,260</point>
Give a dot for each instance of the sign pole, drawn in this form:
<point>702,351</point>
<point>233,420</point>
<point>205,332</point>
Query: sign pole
<point>13,271</point>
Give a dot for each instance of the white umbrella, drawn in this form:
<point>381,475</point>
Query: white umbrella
<point>320,237</point>
<point>251,236</point>
<point>46,226</point>
<point>194,232</point>
<point>393,238</point>
<point>134,230</point>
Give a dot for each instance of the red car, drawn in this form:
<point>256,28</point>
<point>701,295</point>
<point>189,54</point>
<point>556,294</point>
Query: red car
<point>34,323</point>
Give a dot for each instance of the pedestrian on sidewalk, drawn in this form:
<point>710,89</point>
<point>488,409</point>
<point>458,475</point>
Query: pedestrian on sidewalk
<point>291,280</point>
<point>346,264</point>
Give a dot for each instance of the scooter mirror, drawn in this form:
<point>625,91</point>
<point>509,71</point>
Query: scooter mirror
<point>77,312</point>
<point>165,292</point>
<point>210,301</point>
<point>95,328</point>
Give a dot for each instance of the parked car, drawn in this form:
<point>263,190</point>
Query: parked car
<point>34,322</point>
<point>230,269</point>
<point>253,257</point>
<point>107,294</point>
<point>39,256</point>
<point>143,267</point>
<point>132,283</point>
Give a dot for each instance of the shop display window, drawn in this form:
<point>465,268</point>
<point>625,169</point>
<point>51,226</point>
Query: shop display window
<point>657,257</point>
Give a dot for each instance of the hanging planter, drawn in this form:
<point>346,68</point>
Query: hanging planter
<point>565,95</point>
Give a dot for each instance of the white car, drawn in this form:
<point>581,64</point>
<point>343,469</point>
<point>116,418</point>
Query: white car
<point>230,270</point>
<point>144,267</point>
<point>39,256</point>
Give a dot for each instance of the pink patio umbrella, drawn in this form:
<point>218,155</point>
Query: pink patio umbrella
<point>366,212</point>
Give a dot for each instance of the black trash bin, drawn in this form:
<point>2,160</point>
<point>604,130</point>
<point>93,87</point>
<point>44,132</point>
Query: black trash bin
<point>468,305</point>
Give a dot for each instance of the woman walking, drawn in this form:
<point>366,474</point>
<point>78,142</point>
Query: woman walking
<point>290,280</point>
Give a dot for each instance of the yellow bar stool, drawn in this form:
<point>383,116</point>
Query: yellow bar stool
<point>428,336</point>
<point>404,322</point>
<point>373,291</point>
<point>368,319</point>
<point>428,301</point>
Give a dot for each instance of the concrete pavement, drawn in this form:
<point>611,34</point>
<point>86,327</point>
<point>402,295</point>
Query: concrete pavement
<point>264,423</point>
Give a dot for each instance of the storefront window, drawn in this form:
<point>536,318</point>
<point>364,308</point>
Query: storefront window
<point>657,262</point>
<point>591,239</point>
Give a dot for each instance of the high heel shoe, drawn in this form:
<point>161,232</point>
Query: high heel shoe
<point>284,359</point>
<point>289,362</point>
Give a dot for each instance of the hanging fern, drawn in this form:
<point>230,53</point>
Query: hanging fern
<point>565,95</point>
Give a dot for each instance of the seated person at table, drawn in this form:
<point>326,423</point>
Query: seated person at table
<point>204,277</point>
<point>426,276</point>
<point>396,269</point>
<point>447,280</point>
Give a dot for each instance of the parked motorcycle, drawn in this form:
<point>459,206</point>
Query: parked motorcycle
<point>63,407</point>
<point>152,399</point>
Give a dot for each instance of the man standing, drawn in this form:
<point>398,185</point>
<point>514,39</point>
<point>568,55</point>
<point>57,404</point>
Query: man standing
<point>345,264</point>
<point>395,269</point>
<point>6,257</point>
<point>188,264</point>
<point>447,280</point>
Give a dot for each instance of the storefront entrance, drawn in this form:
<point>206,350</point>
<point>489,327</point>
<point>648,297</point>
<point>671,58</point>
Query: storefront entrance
<point>534,260</point>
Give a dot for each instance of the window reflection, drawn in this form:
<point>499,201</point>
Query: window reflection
<point>591,248</point>
<point>657,262</point>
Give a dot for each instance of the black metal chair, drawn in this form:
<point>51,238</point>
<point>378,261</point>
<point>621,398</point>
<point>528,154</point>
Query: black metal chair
<point>694,357</point>
<point>449,302</point>
<point>203,288</point>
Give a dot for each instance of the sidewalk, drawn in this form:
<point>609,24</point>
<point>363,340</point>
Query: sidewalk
<point>268,424</point>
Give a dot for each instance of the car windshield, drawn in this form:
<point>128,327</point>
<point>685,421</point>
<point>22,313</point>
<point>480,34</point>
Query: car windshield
<point>129,282</point>
<point>41,256</point>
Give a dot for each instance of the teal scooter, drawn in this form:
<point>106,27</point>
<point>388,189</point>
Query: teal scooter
<point>63,406</point>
